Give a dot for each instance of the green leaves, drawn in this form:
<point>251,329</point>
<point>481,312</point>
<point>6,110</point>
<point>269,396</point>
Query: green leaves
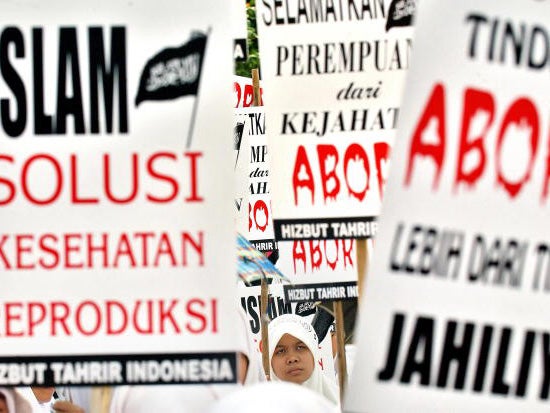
<point>253,61</point>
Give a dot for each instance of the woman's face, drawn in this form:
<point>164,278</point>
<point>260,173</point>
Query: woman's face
<point>292,360</point>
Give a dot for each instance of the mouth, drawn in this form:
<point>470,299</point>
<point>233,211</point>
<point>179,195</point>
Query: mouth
<point>295,371</point>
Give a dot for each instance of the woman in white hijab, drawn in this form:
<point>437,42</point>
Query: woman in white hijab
<point>294,355</point>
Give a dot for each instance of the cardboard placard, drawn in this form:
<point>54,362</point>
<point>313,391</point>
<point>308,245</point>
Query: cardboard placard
<point>453,317</point>
<point>333,75</point>
<point>117,238</point>
<point>254,202</point>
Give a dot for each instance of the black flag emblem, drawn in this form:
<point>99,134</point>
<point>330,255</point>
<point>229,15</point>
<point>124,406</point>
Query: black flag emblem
<point>173,72</point>
<point>401,13</point>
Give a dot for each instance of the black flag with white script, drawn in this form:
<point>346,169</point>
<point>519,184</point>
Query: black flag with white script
<point>173,72</point>
<point>401,13</point>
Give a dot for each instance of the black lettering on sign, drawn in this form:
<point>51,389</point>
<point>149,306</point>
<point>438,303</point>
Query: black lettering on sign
<point>321,11</point>
<point>69,105</point>
<point>426,251</point>
<point>542,268</point>
<point>43,124</point>
<point>324,122</point>
<point>328,228</point>
<point>104,81</point>
<point>466,349</point>
<point>259,173</point>
<point>275,307</point>
<point>115,369</point>
<point>343,57</point>
<point>258,153</point>
<point>101,75</point>
<point>336,291</point>
<point>498,262</point>
<point>258,188</point>
<point>13,125</point>
<point>508,42</point>
<point>257,123</point>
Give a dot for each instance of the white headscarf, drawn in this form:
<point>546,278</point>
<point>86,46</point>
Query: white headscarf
<point>274,397</point>
<point>167,398</point>
<point>298,327</point>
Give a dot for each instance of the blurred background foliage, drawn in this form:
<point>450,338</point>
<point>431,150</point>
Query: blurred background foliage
<point>253,61</point>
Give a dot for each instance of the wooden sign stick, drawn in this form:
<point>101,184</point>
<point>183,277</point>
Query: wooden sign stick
<point>264,321</point>
<point>256,88</point>
<point>264,297</point>
<point>361,259</point>
<point>362,256</point>
<point>101,399</point>
<point>340,345</point>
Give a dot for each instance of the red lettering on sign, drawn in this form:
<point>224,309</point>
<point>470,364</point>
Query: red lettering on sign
<point>520,123</point>
<point>59,317</point>
<point>196,314</point>
<point>522,112</point>
<point>75,197</point>
<point>10,317</point>
<point>245,95</point>
<point>96,315</point>
<point>434,112</point>
<point>302,177</point>
<point>60,176</point>
<point>57,181</point>
<point>355,172</point>
<point>475,103</point>
<point>382,157</point>
<point>328,159</point>
<point>313,254</point>
<point>109,317</point>
<point>10,187</point>
<point>258,215</point>
<point>37,315</point>
<point>172,183</point>
<point>123,314</point>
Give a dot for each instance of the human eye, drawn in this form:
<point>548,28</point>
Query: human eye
<point>279,350</point>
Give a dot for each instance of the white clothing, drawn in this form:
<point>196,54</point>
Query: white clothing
<point>34,404</point>
<point>298,327</point>
<point>274,397</point>
<point>167,398</point>
<point>80,396</point>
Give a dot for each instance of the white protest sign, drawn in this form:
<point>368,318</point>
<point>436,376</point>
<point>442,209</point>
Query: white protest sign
<point>241,151</point>
<point>319,261</point>
<point>278,305</point>
<point>117,241</point>
<point>259,223</point>
<point>333,74</point>
<point>454,312</point>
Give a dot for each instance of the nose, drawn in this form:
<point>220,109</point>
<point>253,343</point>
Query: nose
<point>292,358</point>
